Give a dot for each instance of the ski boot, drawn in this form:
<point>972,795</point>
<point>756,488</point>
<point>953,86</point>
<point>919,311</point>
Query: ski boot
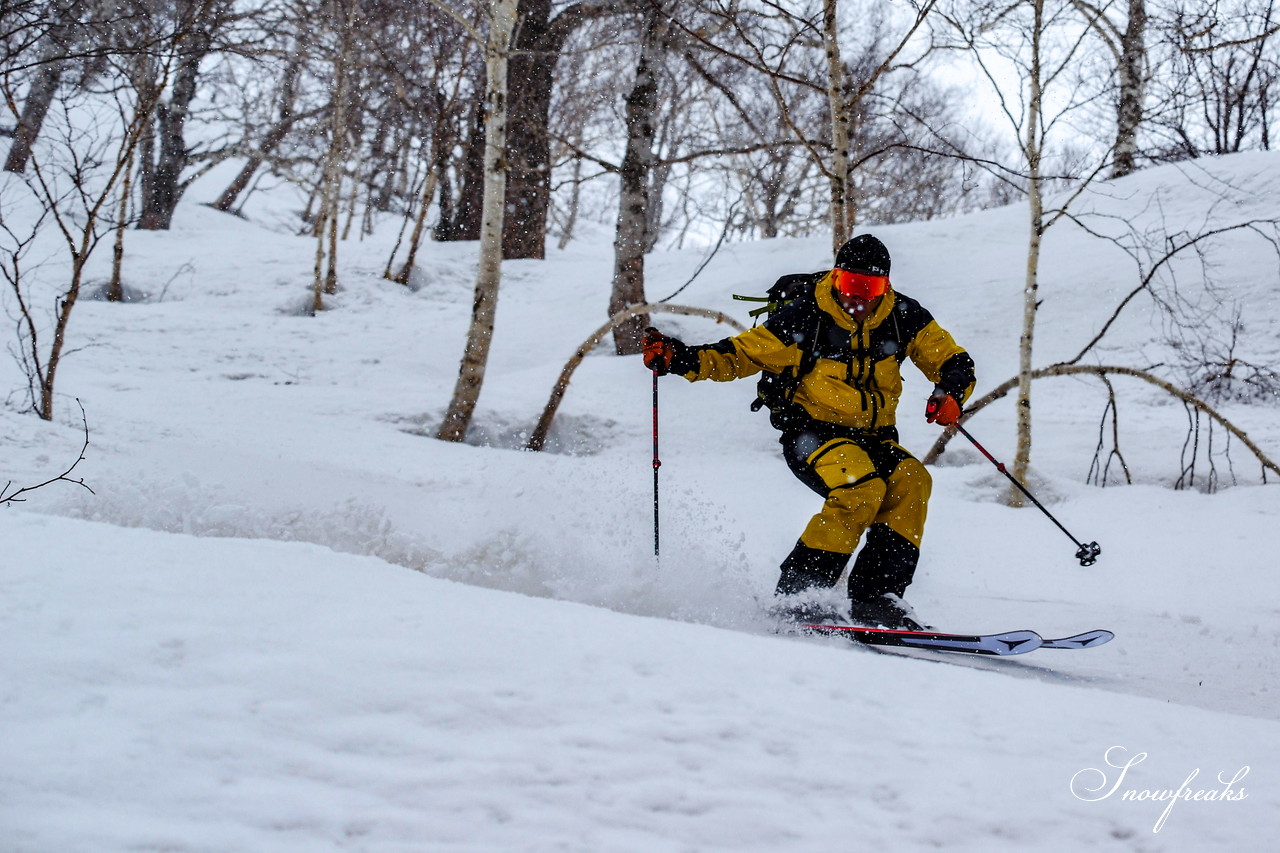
<point>792,611</point>
<point>885,611</point>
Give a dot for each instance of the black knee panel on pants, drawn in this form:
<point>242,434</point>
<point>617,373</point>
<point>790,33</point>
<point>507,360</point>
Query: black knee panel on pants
<point>810,568</point>
<point>886,563</point>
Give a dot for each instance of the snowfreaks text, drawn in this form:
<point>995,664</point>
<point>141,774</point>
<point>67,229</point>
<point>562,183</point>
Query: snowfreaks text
<point>1083,785</point>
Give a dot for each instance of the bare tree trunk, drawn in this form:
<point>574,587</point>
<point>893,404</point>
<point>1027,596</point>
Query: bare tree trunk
<point>288,94</point>
<point>34,109</point>
<point>326,226</point>
<point>1033,145</point>
<point>575,194</point>
<point>58,43</point>
<point>838,104</point>
<point>1132,81</point>
<point>65,305</point>
<point>115,287</point>
<point>148,89</point>
<point>331,270</point>
<point>437,162</point>
<point>529,83</point>
<point>502,23</point>
<point>631,239</point>
<point>317,271</point>
<point>464,215</point>
<point>419,225</point>
<point>165,187</point>
<point>539,43</point>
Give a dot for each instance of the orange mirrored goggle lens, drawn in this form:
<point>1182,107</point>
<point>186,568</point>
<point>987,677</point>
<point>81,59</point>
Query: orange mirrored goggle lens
<point>858,285</point>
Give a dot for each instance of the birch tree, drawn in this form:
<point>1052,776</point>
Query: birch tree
<point>1125,39</point>
<point>342,16</point>
<point>1033,141</point>
<point>631,239</point>
<point>466,393</point>
<point>1041,41</point>
<point>841,227</point>
<point>1130,50</point>
<point>75,178</point>
<point>777,41</point>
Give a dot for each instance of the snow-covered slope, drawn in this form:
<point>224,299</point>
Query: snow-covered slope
<point>160,689</point>
<point>169,693</point>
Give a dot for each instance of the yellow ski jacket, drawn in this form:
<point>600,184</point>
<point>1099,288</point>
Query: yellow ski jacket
<point>851,371</point>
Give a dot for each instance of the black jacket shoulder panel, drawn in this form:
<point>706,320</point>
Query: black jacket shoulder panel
<point>910,316</point>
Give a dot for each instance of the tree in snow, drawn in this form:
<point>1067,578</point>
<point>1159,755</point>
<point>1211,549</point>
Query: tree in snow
<point>1033,55</point>
<point>475,357</point>
<point>1216,92</point>
<point>1123,32</point>
<point>73,180</point>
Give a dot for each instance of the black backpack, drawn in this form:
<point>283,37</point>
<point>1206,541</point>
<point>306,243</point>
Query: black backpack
<point>776,390</point>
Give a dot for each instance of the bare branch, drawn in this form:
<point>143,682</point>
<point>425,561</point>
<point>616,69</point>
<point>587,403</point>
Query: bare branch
<point>1103,371</point>
<point>539,436</point>
<point>1254,39</point>
<point>1175,248</point>
<point>7,497</point>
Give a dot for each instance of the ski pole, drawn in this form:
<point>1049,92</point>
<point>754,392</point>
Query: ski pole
<point>657,463</point>
<point>1086,553</point>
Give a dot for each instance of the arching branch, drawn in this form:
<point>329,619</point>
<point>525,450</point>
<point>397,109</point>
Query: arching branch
<point>539,436</point>
<point>1104,371</point>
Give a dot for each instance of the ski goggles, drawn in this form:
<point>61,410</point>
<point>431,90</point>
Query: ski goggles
<point>856,285</point>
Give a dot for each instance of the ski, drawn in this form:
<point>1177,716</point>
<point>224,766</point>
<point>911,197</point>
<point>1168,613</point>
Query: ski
<point>1006,643</point>
<point>1001,644</point>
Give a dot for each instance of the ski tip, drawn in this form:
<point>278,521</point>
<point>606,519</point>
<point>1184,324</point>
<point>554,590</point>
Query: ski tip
<point>1086,640</point>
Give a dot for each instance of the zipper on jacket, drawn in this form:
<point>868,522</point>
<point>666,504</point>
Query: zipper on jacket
<point>859,352</point>
<point>872,397</point>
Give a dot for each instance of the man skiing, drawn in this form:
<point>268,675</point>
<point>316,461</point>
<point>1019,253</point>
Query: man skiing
<point>831,357</point>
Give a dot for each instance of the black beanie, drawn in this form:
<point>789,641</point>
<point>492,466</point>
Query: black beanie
<point>864,254</point>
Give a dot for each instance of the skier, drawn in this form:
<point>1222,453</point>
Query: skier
<point>831,358</point>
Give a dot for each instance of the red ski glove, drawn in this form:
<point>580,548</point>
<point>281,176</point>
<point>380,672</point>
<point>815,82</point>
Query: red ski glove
<point>942,409</point>
<point>657,351</point>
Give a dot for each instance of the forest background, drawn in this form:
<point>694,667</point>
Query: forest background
<point>672,122</point>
